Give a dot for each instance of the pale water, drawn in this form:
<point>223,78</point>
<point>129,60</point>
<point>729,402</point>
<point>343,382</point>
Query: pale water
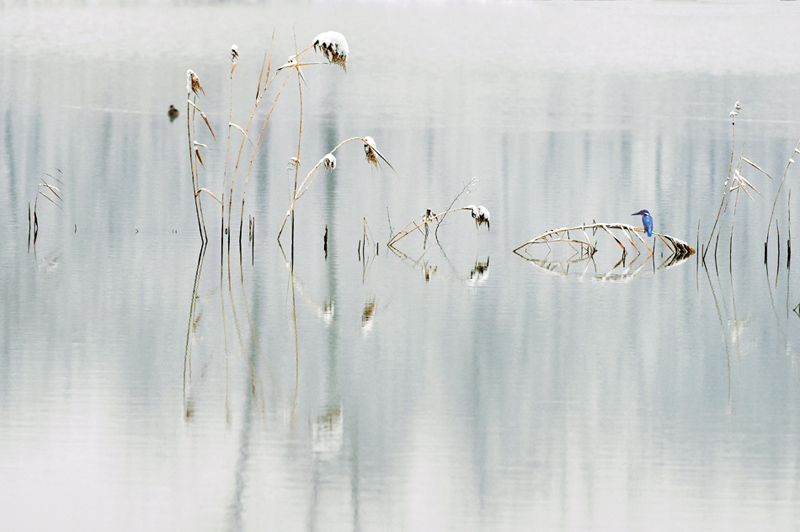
<point>441,386</point>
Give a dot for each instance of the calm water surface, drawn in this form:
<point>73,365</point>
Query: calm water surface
<point>147,386</point>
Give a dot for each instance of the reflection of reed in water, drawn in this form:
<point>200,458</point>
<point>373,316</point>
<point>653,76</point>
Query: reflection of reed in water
<point>479,273</point>
<point>49,191</point>
<point>245,335</point>
<point>327,432</point>
<point>191,329</point>
<point>367,316</point>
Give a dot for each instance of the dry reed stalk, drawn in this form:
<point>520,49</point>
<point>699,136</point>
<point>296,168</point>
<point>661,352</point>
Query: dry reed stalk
<point>789,239</point>
<point>260,93</point>
<point>467,189</point>
<point>735,112</point>
<point>299,141</point>
<point>334,46</point>
<point>234,57</point>
<point>193,88</point>
<point>337,47</point>
<point>777,194</point>
<point>329,163</point>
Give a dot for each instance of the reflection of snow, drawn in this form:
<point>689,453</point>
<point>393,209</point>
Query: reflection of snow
<point>737,329</point>
<point>50,263</point>
<point>367,317</point>
<point>479,273</point>
<point>327,313</point>
<point>327,433</point>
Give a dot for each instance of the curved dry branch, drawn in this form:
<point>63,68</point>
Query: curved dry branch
<point>676,246</point>
<point>584,250</point>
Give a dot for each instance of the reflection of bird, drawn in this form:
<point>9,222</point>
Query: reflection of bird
<point>647,220</point>
<point>172,113</point>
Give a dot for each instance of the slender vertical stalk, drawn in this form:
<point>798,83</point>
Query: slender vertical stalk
<point>725,191</point>
<point>297,166</point>
<point>225,172</point>
<point>789,239</point>
<point>774,203</point>
<point>189,119</point>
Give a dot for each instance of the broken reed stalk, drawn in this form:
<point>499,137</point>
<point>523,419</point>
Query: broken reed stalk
<point>777,194</point>
<point>467,189</point>
<point>480,214</point>
<point>368,238</point>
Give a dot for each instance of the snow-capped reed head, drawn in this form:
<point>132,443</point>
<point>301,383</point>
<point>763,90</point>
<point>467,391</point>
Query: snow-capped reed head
<point>193,83</point>
<point>333,46</point>
<point>371,150</point>
<point>329,161</point>
<point>234,53</point>
<point>735,112</point>
<point>480,214</point>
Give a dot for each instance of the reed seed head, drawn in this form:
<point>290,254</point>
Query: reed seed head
<point>193,83</point>
<point>334,47</point>
<point>329,161</point>
<point>370,150</point>
<point>735,112</point>
<point>480,214</point>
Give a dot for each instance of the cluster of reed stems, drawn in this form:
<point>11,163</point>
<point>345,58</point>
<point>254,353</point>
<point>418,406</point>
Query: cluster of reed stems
<point>788,214</point>
<point>735,182</point>
<point>333,46</point>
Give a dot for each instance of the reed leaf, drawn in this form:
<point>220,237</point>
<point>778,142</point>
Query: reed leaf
<point>209,193</point>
